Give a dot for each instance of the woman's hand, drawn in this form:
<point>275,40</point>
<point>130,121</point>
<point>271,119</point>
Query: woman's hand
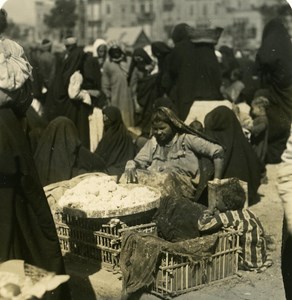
<point>130,171</point>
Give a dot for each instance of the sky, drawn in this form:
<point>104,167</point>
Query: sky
<point>20,11</point>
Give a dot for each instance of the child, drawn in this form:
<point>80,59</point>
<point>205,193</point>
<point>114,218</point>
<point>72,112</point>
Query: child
<point>15,69</point>
<point>259,130</point>
<point>229,212</point>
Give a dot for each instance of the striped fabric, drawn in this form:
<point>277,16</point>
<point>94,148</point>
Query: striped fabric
<point>252,240</point>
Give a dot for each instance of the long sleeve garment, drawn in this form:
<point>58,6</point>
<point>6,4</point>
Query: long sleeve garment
<point>180,155</point>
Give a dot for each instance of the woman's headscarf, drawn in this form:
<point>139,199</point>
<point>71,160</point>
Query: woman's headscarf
<point>116,146</point>
<point>96,45</point>
<point>116,51</point>
<point>140,59</point>
<point>57,151</point>
<point>180,32</point>
<point>160,49</point>
<point>240,160</point>
<point>275,53</point>
<point>180,126</point>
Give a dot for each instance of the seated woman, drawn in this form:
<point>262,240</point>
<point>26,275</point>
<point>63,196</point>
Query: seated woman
<point>176,149</point>
<point>116,146</point>
<point>240,159</point>
<point>60,154</point>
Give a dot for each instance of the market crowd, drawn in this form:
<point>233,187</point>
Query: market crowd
<point>188,114</point>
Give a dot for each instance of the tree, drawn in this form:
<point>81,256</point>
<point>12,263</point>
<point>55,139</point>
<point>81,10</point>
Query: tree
<point>62,17</point>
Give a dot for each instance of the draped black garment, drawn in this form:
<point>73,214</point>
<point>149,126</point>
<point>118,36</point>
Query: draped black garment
<point>240,160</point>
<point>27,227</point>
<point>275,70</point>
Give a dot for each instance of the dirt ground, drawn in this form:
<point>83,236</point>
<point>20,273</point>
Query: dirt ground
<point>89,282</point>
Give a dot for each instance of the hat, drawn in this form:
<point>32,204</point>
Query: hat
<point>71,40</point>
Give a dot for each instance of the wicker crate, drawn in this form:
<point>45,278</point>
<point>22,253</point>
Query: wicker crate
<point>108,240</point>
<point>178,275</point>
<point>92,239</point>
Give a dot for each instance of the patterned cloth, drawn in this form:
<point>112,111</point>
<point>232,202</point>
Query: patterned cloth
<point>252,239</point>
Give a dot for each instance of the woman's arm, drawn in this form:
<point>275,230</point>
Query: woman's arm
<point>209,149</point>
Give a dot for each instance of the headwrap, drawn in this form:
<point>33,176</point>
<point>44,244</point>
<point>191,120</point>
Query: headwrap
<point>160,49</point>
<point>140,55</point>
<point>45,45</point>
<point>116,146</point>
<point>180,126</point>
<point>180,32</point>
<point>115,51</point>
<point>96,45</point>
<point>57,151</point>
<point>71,40</point>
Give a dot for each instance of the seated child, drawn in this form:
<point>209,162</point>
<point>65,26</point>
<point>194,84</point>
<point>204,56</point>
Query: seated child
<point>14,67</point>
<point>229,213</point>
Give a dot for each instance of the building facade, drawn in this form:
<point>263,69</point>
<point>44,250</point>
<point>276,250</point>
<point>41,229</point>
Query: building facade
<point>242,20</point>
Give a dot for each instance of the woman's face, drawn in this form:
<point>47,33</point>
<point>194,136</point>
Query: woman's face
<point>163,132</point>
<point>102,51</point>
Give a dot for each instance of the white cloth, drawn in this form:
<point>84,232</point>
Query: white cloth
<point>199,109</point>
<point>95,128</point>
<point>14,67</point>
<point>284,182</point>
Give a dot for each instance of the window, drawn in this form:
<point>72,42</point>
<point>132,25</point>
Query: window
<point>93,12</point>
<point>133,9</point>
<point>191,10</point>
<point>205,10</point>
<point>108,9</point>
<point>142,8</point>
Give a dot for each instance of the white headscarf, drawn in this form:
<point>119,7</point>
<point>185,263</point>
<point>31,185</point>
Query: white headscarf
<point>96,45</point>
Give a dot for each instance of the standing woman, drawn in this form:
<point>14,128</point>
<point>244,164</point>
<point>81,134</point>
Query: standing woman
<point>275,70</point>
<point>27,226</point>
<point>115,84</point>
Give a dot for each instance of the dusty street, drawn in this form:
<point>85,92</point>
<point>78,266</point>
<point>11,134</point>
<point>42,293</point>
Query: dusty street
<point>88,282</point>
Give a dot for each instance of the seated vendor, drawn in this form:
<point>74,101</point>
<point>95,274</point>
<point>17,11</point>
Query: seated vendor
<point>229,213</point>
<point>175,149</point>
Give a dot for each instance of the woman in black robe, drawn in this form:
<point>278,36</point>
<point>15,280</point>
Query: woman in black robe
<point>193,72</point>
<point>116,146</point>
<point>240,160</point>
<point>272,63</point>
<point>60,154</point>
<point>58,102</point>
<point>27,226</point>
<point>144,87</point>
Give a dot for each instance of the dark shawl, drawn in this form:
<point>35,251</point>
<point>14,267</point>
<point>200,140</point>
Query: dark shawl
<point>240,160</point>
<point>116,146</point>
<point>27,227</point>
<point>147,89</point>
<point>193,73</point>
<point>272,63</point>
<point>58,101</point>
<point>180,32</point>
<point>161,51</point>
<point>60,156</point>
<point>140,257</point>
<point>229,62</point>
